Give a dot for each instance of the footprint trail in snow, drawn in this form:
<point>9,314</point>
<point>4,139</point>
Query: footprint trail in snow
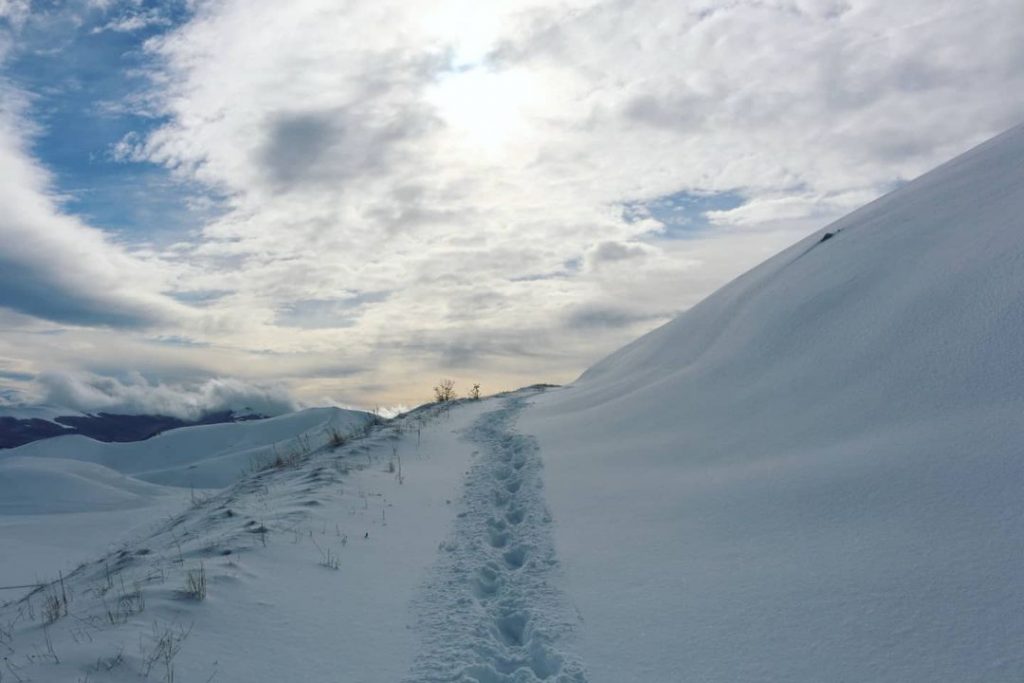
<point>491,612</point>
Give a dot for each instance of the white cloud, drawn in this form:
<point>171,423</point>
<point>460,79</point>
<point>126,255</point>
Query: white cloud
<point>617,252</point>
<point>133,21</point>
<point>15,11</point>
<point>473,162</point>
<point>54,266</point>
<point>136,396</point>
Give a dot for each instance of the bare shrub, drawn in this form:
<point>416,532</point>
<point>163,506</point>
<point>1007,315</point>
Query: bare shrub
<point>445,391</point>
<point>335,437</point>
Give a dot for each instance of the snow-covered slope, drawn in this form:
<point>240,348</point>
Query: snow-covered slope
<point>206,456</point>
<point>54,485</point>
<point>816,473</point>
<point>311,571</point>
<point>114,487</point>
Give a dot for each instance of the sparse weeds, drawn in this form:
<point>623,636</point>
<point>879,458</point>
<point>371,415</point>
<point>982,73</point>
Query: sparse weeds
<point>53,609</point>
<point>328,558</point>
<point>127,603</point>
<point>335,437</point>
<point>167,641</point>
<point>396,458</point>
<point>106,664</point>
<point>55,602</point>
<point>195,583</point>
<point>295,455</point>
<point>260,530</point>
<point>197,500</point>
<point>7,635</point>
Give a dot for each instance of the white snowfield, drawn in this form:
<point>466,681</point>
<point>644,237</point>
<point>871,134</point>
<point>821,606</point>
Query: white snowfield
<point>814,475</point>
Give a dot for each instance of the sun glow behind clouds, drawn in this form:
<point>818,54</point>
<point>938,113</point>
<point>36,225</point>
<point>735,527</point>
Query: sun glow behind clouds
<point>467,28</point>
<point>484,164</point>
<point>486,107</point>
<point>486,110</point>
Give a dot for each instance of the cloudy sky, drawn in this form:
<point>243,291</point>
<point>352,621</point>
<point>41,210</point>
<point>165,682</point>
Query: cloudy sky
<point>345,201</point>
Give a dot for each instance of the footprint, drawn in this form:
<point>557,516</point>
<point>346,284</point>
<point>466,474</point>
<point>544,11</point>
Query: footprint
<point>487,583</point>
<point>512,628</point>
<point>498,539</point>
<point>516,557</point>
<point>512,485</point>
<point>545,662</point>
<point>514,516</point>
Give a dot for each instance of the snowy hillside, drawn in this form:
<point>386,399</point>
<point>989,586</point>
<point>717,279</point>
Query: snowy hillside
<point>30,485</point>
<point>816,473</point>
<point>114,488</point>
<point>345,560</point>
<point>206,456</point>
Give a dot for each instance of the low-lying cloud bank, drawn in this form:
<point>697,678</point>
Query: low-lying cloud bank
<point>91,393</point>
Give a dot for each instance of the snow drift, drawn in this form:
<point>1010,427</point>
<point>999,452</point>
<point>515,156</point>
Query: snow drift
<point>815,474</point>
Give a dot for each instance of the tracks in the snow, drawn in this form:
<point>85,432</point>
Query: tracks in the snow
<point>491,613</point>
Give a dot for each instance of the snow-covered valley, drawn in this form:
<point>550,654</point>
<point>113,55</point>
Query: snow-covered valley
<point>813,475</point>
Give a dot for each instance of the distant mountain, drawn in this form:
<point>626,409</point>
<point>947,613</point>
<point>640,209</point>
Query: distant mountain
<point>19,430</point>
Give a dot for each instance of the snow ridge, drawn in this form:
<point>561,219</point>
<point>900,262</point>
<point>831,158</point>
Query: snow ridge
<point>491,612</point>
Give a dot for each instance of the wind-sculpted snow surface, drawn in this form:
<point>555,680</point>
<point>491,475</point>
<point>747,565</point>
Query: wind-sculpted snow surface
<point>492,611</point>
<point>815,474</point>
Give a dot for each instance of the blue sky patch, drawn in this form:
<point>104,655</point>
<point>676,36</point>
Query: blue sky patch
<point>84,71</point>
<point>684,214</point>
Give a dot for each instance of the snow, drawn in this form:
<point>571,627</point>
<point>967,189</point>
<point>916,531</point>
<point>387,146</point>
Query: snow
<point>266,545</point>
<point>813,475</point>
<point>53,485</point>
<point>205,456</point>
<point>120,490</point>
<point>35,548</point>
<point>494,610</point>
